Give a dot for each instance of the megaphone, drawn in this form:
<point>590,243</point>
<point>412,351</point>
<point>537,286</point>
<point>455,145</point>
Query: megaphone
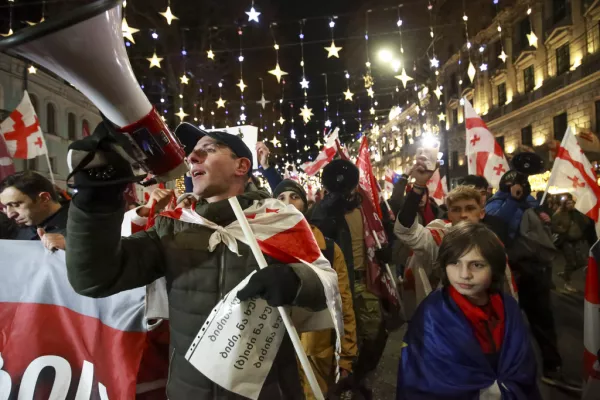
<point>85,47</point>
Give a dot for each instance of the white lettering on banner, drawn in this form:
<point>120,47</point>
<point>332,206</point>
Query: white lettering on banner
<point>62,380</point>
<point>236,346</point>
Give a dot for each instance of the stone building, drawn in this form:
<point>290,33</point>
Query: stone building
<point>527,88</point>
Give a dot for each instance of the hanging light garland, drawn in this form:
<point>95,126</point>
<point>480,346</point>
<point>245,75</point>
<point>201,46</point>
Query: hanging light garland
<point>471,71</point>
<point>263,102</point>
<point>277,71</point>
<point>368,78</point>
<point>168,14</point>
<point>221,102</point>
<point>10,20</point>
<point>531,36</point>
<point>30,23</point>
<point>305,112</point>
<point>348,95</point>
<point>326,108</point>
<point>403,77</point>
<point>253,14</point>
<point>241,83</point>
<point>333,50</point>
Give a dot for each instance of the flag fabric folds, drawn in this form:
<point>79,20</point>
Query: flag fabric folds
<point>22,132</point>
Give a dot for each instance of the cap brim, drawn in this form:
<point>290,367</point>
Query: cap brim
<point>189,135</point>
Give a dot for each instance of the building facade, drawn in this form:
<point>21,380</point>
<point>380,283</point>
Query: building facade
<point>537,72</point>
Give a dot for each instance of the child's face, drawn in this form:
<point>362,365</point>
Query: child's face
<point>471,276</point>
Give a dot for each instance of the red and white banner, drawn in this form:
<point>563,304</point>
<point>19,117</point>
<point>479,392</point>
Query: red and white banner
<point>92,347</point>
<point>379,281</point>
<point>572,171</point>
<point>389,180</point>
<point>325,156</point>
<point>22,131</point>
<point>591,326</point>
<point>438,188</point>
<point>7,167</point>
<point>484,155</point>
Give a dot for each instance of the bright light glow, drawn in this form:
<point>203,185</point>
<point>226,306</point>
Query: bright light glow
<point>385,55</point>
<point>396,64</point>
<point>577,63</point>
<point>540,141</point>
<point>540,82</point>
<point>510,149</point>
<point>429,141</point>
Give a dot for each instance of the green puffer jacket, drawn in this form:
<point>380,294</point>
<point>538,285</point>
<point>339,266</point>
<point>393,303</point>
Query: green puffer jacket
<point>101,263</point>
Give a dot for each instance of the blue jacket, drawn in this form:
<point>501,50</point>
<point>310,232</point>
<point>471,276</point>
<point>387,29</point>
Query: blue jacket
<point>272,176</point>
<point>510,210</point>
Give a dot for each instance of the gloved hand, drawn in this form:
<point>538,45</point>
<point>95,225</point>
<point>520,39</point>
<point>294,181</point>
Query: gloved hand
<point>100,189</point>
<point>383,255</point>
<point>278,284</point>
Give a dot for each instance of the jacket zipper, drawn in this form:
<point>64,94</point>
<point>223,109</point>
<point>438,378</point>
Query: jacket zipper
<point>169,373</point>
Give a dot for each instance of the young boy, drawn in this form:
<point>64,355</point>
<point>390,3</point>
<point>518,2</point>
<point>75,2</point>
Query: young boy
<point>468,340</point>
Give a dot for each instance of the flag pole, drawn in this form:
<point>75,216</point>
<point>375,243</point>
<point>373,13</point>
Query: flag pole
<point>289,326</point>
<point>387,266</point>
<point>49,166</point>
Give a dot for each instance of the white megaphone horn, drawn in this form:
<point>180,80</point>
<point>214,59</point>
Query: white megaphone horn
<point>85,47</point>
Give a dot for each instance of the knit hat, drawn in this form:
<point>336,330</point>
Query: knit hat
<point>288,185</point>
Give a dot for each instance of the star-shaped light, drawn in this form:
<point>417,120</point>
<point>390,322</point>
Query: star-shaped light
<point>278,73</point>
<point>442,116</point>
<point>252,15</point>
<point>438,92</point>
<point>372,111</point>
<point>533,39</point>
<point>275,141</point>
<point>10,32</point>
<point>168,15</point>
<point>404,78</point>
<point>281,120</point>
<point>483,67</point>
<point>333,51</point>
<point>154,61</point>
<point>435,63</point>
<point>184,79</point>
<point>210,54</point>
<point>328,124</point>
<point>181,114</point>
<point>318,144</point>
<point>32,69</point>
<point>263,102</point>
<point>304,83</point>
<point>306,148</point>
<point>471,71</point>
<point>221,102</point>
<point>306,113</point>
<point>30,23</point>
<point>128,31</point>
<point>368,81</point>
<point>503,56</point>
<point>371,92</point>
<point>243,117</point>
<point>348,94</point>
<point>242,85</point>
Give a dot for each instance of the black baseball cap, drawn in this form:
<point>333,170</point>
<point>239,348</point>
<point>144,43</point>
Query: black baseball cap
<point>189,135</point>
<point>288,185</point>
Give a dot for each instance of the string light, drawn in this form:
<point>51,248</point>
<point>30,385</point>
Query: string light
<point>333,50</point>
<point>277,71</point>
<point>168,14</point>
<point>252,14</point>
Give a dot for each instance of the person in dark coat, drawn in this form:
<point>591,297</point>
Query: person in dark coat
<point>32,203</point>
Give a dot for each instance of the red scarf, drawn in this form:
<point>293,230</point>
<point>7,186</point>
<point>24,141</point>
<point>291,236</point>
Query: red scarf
<point>485,320</point>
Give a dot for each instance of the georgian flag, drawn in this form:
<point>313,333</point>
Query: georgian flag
<point>437,187</point>
<point>325,156</point>
<point>22,132</point>
<point>484,155</point>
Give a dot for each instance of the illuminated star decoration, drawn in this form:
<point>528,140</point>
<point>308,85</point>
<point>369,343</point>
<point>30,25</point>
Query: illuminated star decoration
<point>333,51</point>
<point>30,23</point>
<point>10,32</point>
<point>263,102</point>
<point>483,67</point>
<point>32,69</point>
<point>210,54</point>
<point>168,15</point>
<point>328,124</point>
<point>372,111</point>
<point>154,61</point>
<point>503,56</point>
<point>471,71</point>
<point>368,81</point>
<point>184,79</point>
<point>404,78</point>
<point>318,144</point>
<point>281,120</point>
<point>252,15</point>
<point>533,39</point>
<point>371,92</point>
<point>306,148</point>
<point>275,141</point>
<point>243,117</point>
<point>278,73</point>
<point>442,116</point>
<point>306,113</point>
<point>181,114</point>
<point>438,92</point>
<point>221,103</point>
<point>435,63</point>
<point>242,86</point>
<point>348,94</point>
<point>128,31</point>
<point>304,83</point>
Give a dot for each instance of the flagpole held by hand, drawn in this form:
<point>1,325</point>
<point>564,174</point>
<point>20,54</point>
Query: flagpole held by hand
<point>289,326</point>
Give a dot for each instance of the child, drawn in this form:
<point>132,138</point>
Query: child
<point>468,340</point>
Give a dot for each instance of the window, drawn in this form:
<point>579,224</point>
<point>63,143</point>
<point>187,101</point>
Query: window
<point>500,140</point>
<point>560,126</point>
<point>529,79</point>
<point>455,159</point>
<point>455,116</point>
<point>453,85</point>
<point>560,10</point>
<point>563,59</point>
<point>85,128</point>
<point>527,136</point>
<point>34,103</point>
<point>521,42</point>
<point>71,126</point>
<point>597,106</point>
<point>50,118</point>
<point>502,94</point>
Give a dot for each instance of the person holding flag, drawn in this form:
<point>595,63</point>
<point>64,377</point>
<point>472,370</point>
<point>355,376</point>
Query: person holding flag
<point>101,263</point>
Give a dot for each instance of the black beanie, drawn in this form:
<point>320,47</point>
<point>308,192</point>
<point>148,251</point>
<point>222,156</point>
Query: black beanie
<point>288,185</point>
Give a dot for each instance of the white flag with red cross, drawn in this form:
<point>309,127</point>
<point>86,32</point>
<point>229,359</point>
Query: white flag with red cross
<point>22,132</point>
<point>574,172</point>
<point>437,187</point>
<point>484,154</point>
<point>325,156</point>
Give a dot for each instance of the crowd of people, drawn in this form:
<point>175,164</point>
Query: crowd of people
<point>465,269</point>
